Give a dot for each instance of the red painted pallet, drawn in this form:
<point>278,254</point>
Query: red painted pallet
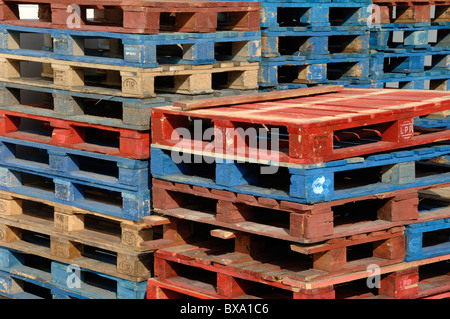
<point>251,261</point>
<point>408,11</point>
<point>76,135</point>
<point>429,280</point>
<point>137,16</point>
<point>303,130</point>
<point>291,221</point>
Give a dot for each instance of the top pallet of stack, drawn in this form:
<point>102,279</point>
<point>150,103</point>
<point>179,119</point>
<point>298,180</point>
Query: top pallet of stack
<point>126,16</point>
<point>331,123</point>
<point>411,12</point>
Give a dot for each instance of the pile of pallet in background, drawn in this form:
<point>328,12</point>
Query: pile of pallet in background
<point>104,195</point>
<point>75,131</point>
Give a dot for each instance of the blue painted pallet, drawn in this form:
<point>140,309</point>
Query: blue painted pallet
<point>114,173</point>
<point>297,16</point>
<point>415,237</point>
<point>428,80</point>
<point>139,50</point>
<point>315,45</point>
<point>109,200</point>
<point>382,38</point>
<point>278,71</point>
<point>412,62</point>
<point>114,111</point>
<point>64,281</point>
<point>305,183</point>
<point>308,1</point>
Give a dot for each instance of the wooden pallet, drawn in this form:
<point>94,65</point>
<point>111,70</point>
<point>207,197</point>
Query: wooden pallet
<point>436,82</point>
<point>414,37</point>
<point>104,230</point>
<point>130,81</point>
<point>412,11</point>
<point>114,201</point>
<point>137,16</point>
<point>347,178</point>
<point>423,281</point>
<point>292,221</point>
<point>30,276</point>
<point>118,112</point>
<point>316,16</point>
<point>307,126</point>
<point>83,136</point>
<point>398,281</point>
<point>144,50</point>
<point>112,172</point>
<point>266,262</point>
<point>411,62</point>
<point>314,45</point>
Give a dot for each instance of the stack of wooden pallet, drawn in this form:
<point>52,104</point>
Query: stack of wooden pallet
<point>302,195</point>
<point>75,135</point>
<point>410,44</point>
<point>306,43</point>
